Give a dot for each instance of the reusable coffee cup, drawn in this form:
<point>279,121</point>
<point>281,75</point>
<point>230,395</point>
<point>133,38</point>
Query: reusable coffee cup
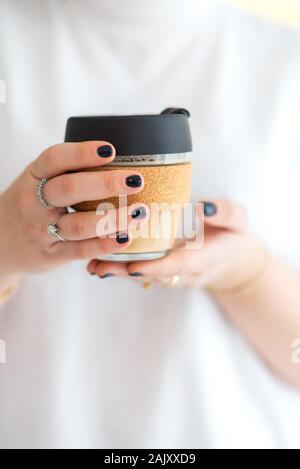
<point>157,146</point>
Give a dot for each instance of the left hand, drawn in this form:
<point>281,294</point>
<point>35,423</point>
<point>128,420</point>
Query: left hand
<point>228,257</point>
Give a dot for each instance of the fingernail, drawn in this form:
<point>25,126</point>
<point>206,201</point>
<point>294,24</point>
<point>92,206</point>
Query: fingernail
<point>92,273</point>
<point>106,275</point>
<point>122,238</point>
<point>105,151</point>
<point>134,181</point>
<point>209,209</point>
<point>136,274</point>
<point>139,213</point>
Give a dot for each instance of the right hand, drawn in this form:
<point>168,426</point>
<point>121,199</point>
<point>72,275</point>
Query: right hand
<point>25,245</point>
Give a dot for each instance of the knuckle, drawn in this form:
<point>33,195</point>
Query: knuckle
<point>32,167</point>
<point>80,251</point>
<point>78,227</point>
<point>109,182</point>
<point>84,153</point>
<point>68,185</point>
<point>45,159</point>
<point>49,156</point>
<point>50,152</point>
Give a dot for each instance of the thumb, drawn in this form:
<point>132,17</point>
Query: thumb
<point>224,214</point>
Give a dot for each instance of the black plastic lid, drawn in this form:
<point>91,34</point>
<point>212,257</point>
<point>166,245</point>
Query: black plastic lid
<point>164,133</point>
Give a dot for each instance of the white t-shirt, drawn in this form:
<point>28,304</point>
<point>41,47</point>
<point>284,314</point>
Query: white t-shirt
<point>87,367</point>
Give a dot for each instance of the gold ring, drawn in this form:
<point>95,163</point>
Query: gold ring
<point>146,285</point>
<point>173,282</point>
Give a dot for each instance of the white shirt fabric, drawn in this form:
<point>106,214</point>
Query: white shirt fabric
<point>102,363</point>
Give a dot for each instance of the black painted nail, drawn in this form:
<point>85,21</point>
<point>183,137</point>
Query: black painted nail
<point>136,274</point>
<point>105,151</point>
<point>106,275</point>
<point>209,209</point>
<point>122,238</point>
<point>92,273</point>
<point>139,213</point>
<point>134,181</point>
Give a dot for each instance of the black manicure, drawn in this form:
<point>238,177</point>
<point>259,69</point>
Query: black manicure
<point>92,273</point>
<point>139,213</point>
<point>105,151</point>
<point>136,274</point>
<point>209,209</point>
<point>134,181</point>
<point>122,238</point>
<point>106,275</point>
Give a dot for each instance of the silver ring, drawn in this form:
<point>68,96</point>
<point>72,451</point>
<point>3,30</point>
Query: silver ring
<point>173,281</point>
<point>53,229</point>
<point>41,193</point>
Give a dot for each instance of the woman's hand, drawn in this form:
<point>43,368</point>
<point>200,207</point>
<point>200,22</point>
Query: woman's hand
<point>26,246</point>
<point>229,264</point>
<point>228,256</point>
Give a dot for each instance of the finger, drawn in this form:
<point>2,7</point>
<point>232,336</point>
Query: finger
<point>225,214</point>
<point>64,157</point>
<point>70,189</point>
<point>111,269</point>
<point>106,269</point>
<point>92,266</point>
<point>190,281</point>
<point>177,262</point>
<point>87,225</point>
<point>87,249</point>
<point>169,282</point>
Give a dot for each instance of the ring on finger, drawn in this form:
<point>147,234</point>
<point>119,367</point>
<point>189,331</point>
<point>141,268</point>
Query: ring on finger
<point>53,229</point>
<point>173,281</point>
<point>41,193</point>
<point>146,285</point>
